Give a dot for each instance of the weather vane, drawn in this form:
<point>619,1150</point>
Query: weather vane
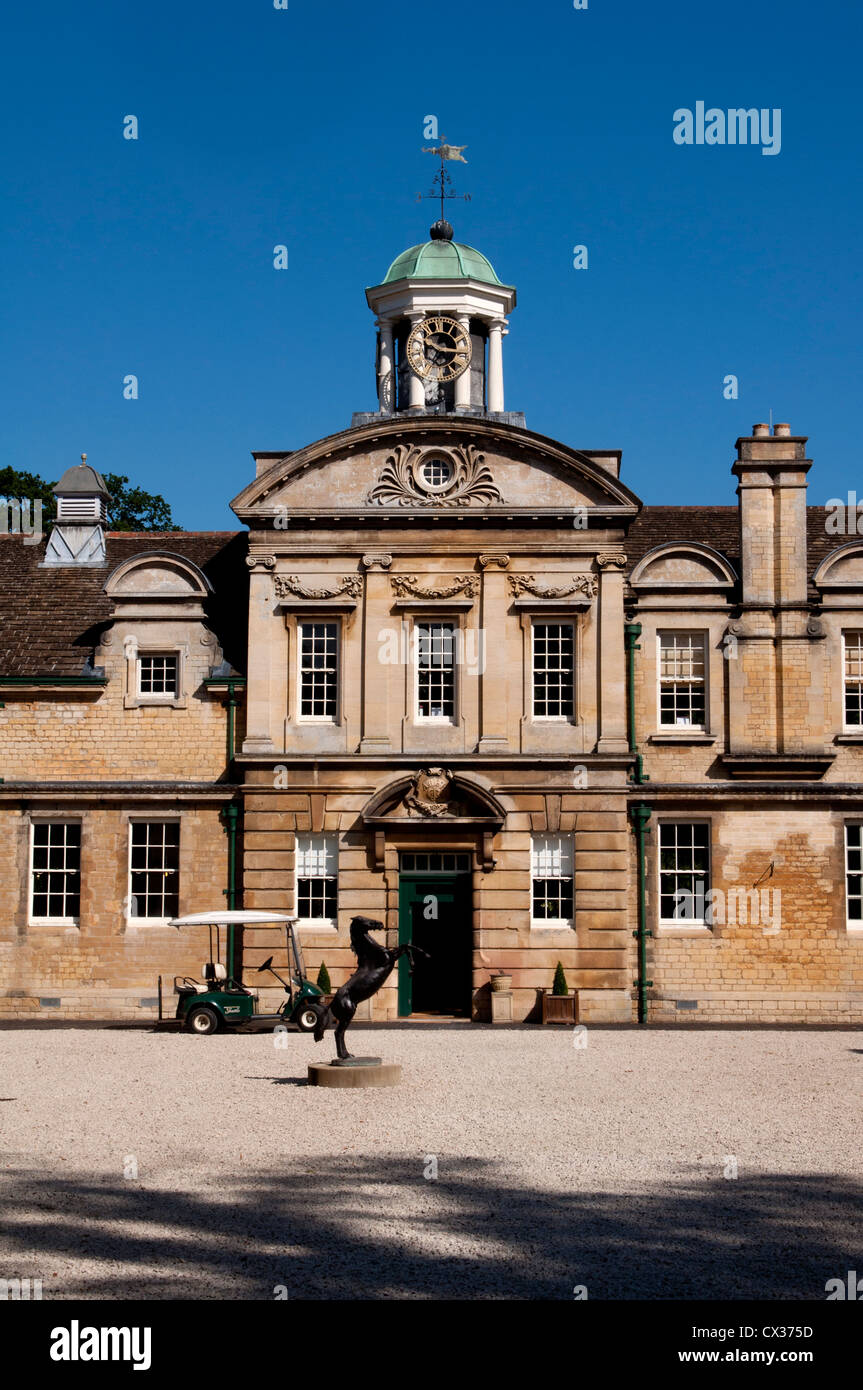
<point>442,183</point>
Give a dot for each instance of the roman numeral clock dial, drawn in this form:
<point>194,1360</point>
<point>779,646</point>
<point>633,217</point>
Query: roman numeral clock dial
<point>439,349</point>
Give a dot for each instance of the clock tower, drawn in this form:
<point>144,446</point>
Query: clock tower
<point>441,318</point>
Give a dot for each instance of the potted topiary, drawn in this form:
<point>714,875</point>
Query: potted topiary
<point>561,1005</point>
<point>323,983</point>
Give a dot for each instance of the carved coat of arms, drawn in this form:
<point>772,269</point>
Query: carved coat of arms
<point>429,794</point>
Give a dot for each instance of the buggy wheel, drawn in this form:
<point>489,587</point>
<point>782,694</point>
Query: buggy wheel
<point>306,1019</point>
<point>202,1021</point>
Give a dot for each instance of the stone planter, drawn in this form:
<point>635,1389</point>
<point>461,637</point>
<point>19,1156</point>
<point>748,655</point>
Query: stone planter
<point>500,983</point>
<point>560,1008</point>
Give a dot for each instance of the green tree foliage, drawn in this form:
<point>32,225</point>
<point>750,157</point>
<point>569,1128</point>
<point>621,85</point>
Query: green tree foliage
<point>133,509</point>
<point>560,985</point>
<point>324,980</point>
<point>130,509</point>
<point>18,486</point>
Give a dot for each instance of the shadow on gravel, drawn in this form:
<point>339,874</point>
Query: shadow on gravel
<point>353,1227</point>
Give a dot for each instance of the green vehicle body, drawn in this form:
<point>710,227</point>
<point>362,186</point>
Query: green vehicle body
<point>222,1002</point>
<point>237,1010</point>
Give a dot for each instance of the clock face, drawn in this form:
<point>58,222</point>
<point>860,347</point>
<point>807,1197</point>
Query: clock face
<point>439,349</point>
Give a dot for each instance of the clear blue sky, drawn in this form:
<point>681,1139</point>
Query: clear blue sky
<point>261,126</point>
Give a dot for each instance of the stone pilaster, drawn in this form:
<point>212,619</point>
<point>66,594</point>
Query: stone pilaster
<point>611,694</point>
<point>376,675</point>
<point>494,681</point>
<point>262,648</point>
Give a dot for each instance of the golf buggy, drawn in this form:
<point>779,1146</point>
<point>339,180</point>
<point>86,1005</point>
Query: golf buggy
<point>219,1001</point>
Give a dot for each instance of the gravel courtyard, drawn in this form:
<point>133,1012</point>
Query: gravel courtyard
<point>557,1166</point>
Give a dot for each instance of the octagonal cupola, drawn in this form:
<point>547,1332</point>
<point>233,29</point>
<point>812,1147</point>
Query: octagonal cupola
<point>441,319</point>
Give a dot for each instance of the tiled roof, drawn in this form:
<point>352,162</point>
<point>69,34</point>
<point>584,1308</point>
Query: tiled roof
<point>718,527</point>
<point>51,619</point>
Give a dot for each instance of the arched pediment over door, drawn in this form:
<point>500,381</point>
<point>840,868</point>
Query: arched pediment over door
<point>434,796</point>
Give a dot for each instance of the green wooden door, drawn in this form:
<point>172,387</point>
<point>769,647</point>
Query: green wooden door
<point>435,914</point>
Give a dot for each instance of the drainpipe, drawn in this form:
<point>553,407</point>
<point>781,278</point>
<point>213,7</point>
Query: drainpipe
<point>632,632</point>
<point>230,816</point>
<point>640,816</point>
<point>232,705</point>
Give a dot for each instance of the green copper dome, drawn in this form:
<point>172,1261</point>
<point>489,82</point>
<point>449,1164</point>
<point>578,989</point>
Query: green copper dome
<point>441,260</point>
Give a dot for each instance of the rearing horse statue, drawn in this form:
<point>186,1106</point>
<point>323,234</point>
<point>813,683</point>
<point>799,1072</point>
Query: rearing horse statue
<point>374,965</point>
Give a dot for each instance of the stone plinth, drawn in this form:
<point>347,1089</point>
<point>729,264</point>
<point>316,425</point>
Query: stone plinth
<point>501,1006</point>
<point>362,1073</point>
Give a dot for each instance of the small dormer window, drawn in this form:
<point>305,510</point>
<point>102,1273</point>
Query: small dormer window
<point>158,675</point>
<point>155,677</point>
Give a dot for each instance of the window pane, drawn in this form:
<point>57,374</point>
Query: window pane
<point>551,875</point>
<point>684,870</point>
<point>319,670</point>
<point>55,870</point>
<point>436,670</point>
<point>682,667</point>
<point>317,858</point>
<point>157,675</point>
<point>853,643</point>
<point>154,878</point>
<point>853,874</point>
<point>553,670</point>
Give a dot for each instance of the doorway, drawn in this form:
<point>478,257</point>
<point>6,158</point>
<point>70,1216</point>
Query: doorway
<point>435,914</point>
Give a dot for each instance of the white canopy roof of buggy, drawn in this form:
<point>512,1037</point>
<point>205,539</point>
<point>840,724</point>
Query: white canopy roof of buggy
<point>230,919</point>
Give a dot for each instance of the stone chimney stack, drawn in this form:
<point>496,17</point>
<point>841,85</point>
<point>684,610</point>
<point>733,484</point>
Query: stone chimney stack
<point>776,718</point>
<point>772,470</point>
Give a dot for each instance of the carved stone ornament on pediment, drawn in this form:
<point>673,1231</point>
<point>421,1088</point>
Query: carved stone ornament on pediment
<point>428,797</point>
<point>286,584</point>
<point>586,584</point>
<point>424,477</point>
<point>267,562</point>
<point>408,586</point>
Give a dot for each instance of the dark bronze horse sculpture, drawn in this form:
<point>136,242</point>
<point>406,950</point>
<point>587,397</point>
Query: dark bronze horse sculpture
<point>374,965</point>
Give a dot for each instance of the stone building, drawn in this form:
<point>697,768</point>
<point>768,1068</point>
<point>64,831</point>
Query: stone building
<point>454,676</point>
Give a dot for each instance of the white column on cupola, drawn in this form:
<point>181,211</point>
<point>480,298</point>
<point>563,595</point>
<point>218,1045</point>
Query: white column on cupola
<point>462,383</point>
<point>417,385</point>
<point>496,330</point>
<point>386,377</point>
